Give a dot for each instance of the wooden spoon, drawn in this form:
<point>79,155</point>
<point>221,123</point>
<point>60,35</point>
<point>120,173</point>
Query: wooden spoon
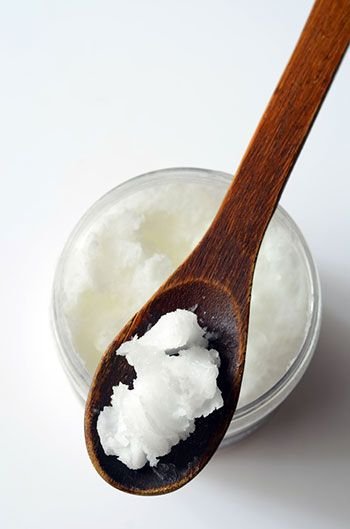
<point>218,274</point>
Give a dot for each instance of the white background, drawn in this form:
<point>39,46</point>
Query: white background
<point>92,93</point>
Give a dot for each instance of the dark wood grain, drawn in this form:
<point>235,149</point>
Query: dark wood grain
<point>218,274</point>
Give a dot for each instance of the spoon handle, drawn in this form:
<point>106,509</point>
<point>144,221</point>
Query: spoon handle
<point>239,226</point>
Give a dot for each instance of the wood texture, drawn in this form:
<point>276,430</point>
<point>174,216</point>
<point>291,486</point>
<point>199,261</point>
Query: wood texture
<point>218,274</point>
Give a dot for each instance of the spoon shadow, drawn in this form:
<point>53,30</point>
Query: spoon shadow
<point>301,455</point>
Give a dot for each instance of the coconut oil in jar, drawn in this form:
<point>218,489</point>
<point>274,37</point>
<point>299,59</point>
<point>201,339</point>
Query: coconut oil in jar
<point>132,240</point>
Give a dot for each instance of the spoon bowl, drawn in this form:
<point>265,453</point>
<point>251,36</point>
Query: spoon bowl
<point>217,312</point>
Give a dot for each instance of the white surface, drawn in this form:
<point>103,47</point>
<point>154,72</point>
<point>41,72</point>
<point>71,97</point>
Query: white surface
<point>93,93</point>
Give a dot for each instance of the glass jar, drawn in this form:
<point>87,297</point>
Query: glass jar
<point>247,418</point>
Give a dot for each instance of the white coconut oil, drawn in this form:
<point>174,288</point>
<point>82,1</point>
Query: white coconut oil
<point>135,244</point>
<point>175,384</point>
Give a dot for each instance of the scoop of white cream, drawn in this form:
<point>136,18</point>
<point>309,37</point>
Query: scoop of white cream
<point>175,384</point>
